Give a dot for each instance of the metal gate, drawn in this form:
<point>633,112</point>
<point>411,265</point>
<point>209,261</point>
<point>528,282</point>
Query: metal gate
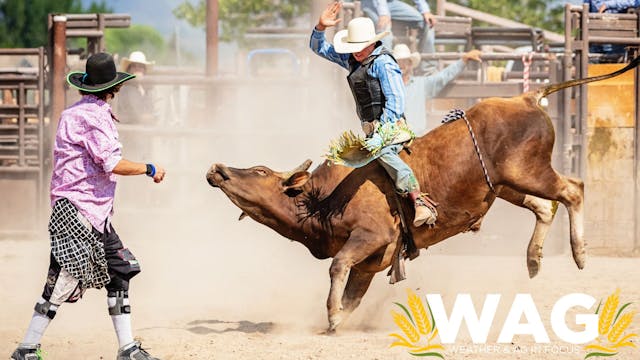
<point>21,141</point>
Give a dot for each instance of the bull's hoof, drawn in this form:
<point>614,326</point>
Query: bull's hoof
<point>329,332</point>
<point>580,259</point>
<point>534,266</point>
<point>334,321</point>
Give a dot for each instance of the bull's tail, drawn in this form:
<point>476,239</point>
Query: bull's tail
<point>557,87</point>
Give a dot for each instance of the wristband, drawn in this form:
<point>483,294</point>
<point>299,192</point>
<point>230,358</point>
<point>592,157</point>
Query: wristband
<point>151,170</point>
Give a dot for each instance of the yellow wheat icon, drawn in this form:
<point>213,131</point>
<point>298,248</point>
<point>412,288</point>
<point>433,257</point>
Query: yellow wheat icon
<point>418,328</point>
<point>612,323</point>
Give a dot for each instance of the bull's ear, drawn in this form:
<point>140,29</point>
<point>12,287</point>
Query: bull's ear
<point>297,180</point>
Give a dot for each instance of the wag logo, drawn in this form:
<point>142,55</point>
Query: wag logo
<point>425,327</point>
<point>612,324</point>
<point>418,327</point>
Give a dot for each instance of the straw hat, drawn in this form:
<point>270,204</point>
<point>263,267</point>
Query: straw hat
<point>401,51</point>
<point>136,57</point>
<point>100,74</point>
<point>359,34</point>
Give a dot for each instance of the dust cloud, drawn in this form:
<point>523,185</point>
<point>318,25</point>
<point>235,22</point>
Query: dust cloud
<point>277,112</point>
<point>205,272</point>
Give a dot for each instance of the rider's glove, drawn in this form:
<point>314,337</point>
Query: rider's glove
<point>374,142</point>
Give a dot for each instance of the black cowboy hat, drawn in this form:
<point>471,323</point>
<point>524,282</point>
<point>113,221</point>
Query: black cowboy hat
<point>100,74</point>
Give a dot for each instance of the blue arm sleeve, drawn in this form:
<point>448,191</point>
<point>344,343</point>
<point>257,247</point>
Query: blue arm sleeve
<point>422,6</point>
<point>613,6</point>
<point>619,6</point>
<point>388,72</point>
<point>433,84</point>
<point>322,47</point>
<point>382,8</point>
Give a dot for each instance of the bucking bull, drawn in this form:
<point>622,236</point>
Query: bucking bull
<point>352,215</point>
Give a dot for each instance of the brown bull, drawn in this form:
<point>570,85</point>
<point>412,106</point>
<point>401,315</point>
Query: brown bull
<point>351,214</point>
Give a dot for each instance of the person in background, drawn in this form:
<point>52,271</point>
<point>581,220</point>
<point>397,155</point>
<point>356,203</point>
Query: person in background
<point>419,89</point>
<point>135,104</point>
<point>383,12</point>
<point>376,84</point>
<point>612,53</point>
<point>86,251</point>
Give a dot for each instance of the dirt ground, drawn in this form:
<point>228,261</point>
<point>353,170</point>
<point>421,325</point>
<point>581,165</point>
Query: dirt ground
<point>201,298</point>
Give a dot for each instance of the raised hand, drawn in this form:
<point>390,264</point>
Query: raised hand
<point>475,55</point>
<point>328,16</point>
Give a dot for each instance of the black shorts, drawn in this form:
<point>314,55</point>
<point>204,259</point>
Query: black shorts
<point>121,264</point>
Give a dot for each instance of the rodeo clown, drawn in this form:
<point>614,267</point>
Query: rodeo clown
<point>376,84</point>
<point>86,252</point>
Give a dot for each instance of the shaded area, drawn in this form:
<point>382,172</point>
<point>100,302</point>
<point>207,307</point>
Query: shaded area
<point>203,327</point>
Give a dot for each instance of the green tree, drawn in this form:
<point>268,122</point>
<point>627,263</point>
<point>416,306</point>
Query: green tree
<point>544,14</point>
<point>237,16</point>
<point>136,38</point>
<point>24,23</point>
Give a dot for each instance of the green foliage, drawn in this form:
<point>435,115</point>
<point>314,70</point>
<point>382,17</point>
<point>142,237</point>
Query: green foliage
<point>136,38</point>
<point>24,23</point>
<point>548,15</point>
<point>237,16</point>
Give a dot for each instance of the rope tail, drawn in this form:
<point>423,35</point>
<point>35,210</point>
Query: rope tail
<point>550,89</point>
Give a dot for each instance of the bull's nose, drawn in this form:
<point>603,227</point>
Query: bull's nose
<point>210,178</point>
<point>216,174</point>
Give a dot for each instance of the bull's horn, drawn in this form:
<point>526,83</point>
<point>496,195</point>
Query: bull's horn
<point>242,216</point>
<point>302,167</point>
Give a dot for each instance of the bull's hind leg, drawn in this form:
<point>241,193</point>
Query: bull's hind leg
<point>548,184</point>
<point>357,286</point>
<point>545,210</point>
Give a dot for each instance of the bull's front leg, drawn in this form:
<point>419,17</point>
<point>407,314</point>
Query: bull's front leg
<point>338,271</point>
<point>360,245</point>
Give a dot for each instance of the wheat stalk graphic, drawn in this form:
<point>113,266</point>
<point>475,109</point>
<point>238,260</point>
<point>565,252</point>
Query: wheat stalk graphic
<point>612,323</point>
<point>418,328</point>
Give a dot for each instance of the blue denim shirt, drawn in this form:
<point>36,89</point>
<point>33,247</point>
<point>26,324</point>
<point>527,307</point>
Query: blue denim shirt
<point>613,6</point>
<point>382,8</point>
<point>384,68</point>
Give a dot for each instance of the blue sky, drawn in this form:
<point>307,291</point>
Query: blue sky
<point>158,14</point>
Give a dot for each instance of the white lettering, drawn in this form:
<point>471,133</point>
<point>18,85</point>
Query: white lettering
<point>590,321</point>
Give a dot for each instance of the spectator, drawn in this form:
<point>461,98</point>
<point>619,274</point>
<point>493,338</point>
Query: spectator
<point>383,12</point>
<point>421,88</point>
<point>136,101</point>
<point>610,53</point>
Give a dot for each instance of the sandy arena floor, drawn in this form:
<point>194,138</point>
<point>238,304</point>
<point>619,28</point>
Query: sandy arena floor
<point>227,299</point>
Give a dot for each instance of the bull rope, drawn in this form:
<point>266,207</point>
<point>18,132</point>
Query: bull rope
<point>457,114</point>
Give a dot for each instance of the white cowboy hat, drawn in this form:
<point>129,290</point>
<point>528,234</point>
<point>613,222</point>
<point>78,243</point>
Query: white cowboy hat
<point>136,57</point>
<point>359,34</point>
<point>401,51</point>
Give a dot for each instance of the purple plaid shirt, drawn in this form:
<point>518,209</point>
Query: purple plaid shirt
<point>85,153</point>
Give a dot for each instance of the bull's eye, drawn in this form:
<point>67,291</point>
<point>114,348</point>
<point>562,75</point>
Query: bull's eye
<point>260,172</point>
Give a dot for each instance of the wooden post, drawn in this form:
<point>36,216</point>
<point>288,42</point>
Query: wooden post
<point>58,67</point>
<point>212,38</point>
<point>101,43</point>
<point>636,159</point>
<point>440,10</point>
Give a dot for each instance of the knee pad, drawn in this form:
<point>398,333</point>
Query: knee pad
<point>45,309</point>
<point>119,308</point>
<point>117,283</point>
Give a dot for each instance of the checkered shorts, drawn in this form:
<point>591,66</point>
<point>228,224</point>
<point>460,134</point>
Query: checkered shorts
<point>76,247</point>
